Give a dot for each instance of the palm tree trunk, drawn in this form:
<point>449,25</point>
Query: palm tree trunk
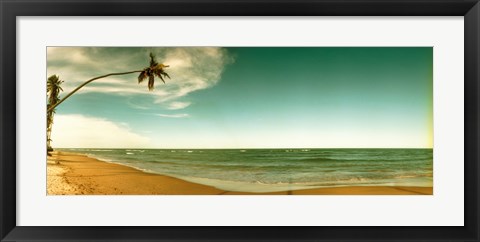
<point>85,83</point>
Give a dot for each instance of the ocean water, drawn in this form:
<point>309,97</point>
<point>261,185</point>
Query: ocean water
<point>267,170</point>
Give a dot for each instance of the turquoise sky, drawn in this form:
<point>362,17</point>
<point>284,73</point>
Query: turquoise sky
<point>249,97</point>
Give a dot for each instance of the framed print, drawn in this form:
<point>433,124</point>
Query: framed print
<point>254,151</point>
<point>223,120</point>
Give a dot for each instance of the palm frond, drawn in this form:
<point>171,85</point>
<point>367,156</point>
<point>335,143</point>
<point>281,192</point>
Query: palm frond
<point>142,76</point>
<point>166,74</point>
<point>160,75</point>
<point>159,72</point>
<point>153,62</point>
<point>151,82</point>
<point>51,82</point>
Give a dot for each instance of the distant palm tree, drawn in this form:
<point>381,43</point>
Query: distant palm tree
<point>53,96</point>
<point>153,70</point>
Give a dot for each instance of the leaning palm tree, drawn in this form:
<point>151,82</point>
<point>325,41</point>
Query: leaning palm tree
<point>53,96</point>
<point>154,69</point>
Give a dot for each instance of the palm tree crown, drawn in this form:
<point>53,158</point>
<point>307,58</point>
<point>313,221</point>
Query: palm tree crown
<point>153,70</point>
<point>54,88</point>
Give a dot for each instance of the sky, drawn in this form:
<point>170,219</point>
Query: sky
<point>246,97</point>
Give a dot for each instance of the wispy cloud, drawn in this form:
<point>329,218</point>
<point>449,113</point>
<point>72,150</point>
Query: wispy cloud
<point>191,69</point>
<point>180,115</point>
<point>177,105</point>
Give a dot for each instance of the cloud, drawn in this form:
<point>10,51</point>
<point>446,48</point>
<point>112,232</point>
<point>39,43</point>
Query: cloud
<point>180,115</point>
<point>178,105</point>
<point>78,131</point>
<point>191,69</point>
<point>74,55</point>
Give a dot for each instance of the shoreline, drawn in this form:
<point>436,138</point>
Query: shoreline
<point>78,174</point>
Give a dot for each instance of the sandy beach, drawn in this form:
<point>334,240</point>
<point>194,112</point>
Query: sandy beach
<point>77,174</point>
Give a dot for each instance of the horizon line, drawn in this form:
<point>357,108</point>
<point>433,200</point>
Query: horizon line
<point>248,148</point>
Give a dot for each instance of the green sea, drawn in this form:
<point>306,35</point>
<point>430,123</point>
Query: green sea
<point>267,170</point>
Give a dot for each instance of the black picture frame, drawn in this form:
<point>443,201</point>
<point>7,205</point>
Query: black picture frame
<point>10,9</point>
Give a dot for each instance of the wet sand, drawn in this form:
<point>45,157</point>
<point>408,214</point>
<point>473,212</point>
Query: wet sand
<point>77,174</point>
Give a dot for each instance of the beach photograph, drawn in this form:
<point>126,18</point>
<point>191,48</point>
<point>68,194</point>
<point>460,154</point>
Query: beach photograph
<point>239,120</point>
